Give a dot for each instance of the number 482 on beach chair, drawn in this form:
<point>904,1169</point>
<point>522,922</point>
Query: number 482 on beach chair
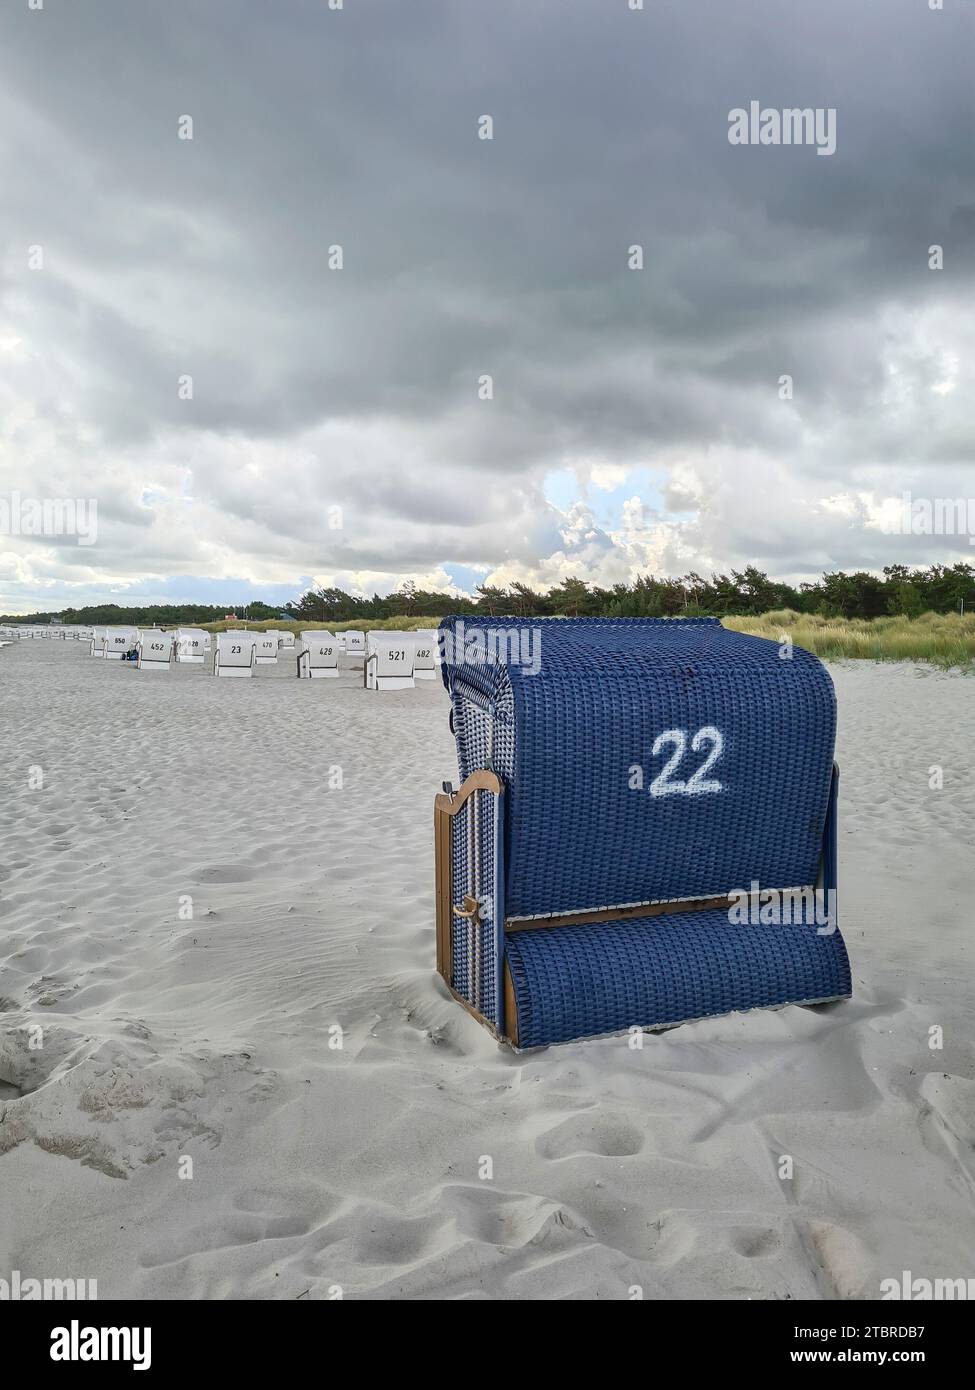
<point>645,831</point>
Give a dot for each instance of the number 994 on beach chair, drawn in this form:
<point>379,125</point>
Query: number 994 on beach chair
<point>645,830</point>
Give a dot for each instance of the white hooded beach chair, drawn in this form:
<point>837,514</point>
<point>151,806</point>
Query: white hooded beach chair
<point>118,641</point>
<point>389,661</point>
<point>191,644</point>
<point>318,655</point>
<point>286,641</point>
<point>426,660</point>
<point>267,647</point>
<point>355,643</point>
<point>235,655</point>
<point>95,645</point>
<point>155,649</point>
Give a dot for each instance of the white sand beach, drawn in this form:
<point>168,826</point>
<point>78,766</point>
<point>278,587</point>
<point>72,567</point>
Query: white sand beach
<point>318,1168</point>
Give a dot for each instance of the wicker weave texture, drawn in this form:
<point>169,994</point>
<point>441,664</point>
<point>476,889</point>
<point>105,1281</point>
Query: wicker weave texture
<point>576,982</point>
<point>574,740</point>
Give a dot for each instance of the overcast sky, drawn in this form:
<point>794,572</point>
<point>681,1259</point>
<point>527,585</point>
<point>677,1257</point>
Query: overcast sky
<point>636,422</point>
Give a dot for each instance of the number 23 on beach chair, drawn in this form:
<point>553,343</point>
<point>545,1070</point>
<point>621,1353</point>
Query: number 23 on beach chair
<point>645,830</point>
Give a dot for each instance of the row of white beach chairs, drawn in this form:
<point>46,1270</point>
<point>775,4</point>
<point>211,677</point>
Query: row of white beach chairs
<point>58,631</point>
<point>155,648</point>
<point>391,660</point>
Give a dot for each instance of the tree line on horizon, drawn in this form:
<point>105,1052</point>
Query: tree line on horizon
<point>745,593</point>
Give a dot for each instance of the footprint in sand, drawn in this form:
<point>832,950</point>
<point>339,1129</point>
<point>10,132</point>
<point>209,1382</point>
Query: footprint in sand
<point>286,1213</point>
<point>613,1137</point>
<point>512,1220</point>
<point>312,1202</point>
<point>754,1242</point>
<point>396,1240</point>
<point>224,1233</point>
<point>224,873</point>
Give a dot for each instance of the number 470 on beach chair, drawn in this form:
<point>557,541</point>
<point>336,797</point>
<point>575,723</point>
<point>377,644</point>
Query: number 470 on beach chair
<point>645,831</point>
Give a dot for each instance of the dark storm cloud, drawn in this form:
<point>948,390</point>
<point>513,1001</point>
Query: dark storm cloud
<point>312,127</point>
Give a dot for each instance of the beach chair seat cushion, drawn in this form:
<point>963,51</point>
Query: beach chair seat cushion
<point>577,982</point>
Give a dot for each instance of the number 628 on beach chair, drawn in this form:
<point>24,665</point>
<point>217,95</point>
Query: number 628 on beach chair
<point>645,829</point>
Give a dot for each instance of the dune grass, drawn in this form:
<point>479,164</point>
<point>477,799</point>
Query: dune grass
<point>946,640</point>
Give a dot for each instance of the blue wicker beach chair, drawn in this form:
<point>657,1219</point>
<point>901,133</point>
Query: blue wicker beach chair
<point>645,830</point>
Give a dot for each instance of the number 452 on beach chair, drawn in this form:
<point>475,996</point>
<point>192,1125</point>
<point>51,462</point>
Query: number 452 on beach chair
<point>645,830</point>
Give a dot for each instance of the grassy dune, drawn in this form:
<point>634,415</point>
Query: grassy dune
<point>943,639</point>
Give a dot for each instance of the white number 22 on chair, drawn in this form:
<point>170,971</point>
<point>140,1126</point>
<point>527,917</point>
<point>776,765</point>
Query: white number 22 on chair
<point>697,784</point>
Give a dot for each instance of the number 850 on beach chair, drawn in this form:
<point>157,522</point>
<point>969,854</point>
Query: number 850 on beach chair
<point>645,830</point>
